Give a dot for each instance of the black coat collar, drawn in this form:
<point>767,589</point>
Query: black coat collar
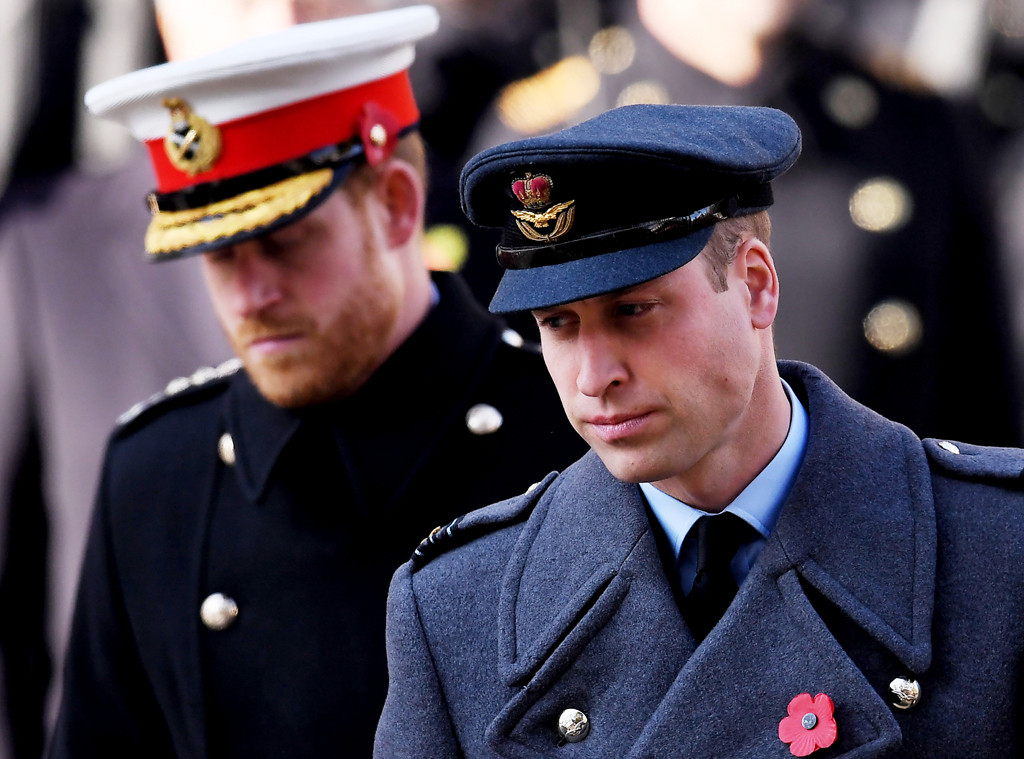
<point>417,388</point>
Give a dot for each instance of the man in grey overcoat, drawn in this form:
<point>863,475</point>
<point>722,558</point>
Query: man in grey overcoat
<point>747,563</point>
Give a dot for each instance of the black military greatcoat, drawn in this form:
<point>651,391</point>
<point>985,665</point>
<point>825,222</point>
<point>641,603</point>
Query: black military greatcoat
<point>300,518</point>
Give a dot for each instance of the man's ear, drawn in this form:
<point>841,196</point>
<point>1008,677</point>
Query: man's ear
<point>758,272</point>
<point>399,190</point>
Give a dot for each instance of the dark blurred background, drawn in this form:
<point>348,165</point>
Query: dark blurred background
<point>899,236</point>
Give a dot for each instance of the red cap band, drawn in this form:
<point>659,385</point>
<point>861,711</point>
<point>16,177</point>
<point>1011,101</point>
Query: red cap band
<point>272,137</point>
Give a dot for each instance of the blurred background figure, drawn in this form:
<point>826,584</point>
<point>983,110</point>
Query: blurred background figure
<point>1000,99</point>
<point>66,318</point>
<point>887,234</point>
<point>88,327</point>
<point>50,49</point>
<point>18,81</point>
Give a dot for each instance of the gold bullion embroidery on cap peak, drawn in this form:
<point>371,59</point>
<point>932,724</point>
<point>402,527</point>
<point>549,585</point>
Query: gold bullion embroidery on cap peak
<point>171,231</point>
<point>193,144</point>
<point>534,192</point>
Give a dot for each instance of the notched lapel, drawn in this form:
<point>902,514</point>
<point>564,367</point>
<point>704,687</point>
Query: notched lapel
<point>582,583</point>
<point>583,614</point>
<point>730,696</point>
<point>564,561</point>
<point>859,525</point>
<point>526,726</point>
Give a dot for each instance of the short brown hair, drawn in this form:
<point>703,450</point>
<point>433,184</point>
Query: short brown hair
<point>721,248</point>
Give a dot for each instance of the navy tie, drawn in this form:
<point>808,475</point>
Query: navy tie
<point>718,539</point>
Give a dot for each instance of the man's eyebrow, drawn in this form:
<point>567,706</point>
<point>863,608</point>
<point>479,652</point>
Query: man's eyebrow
<point>613,294</point>
<point>623,291</point>
<point>627,290</point>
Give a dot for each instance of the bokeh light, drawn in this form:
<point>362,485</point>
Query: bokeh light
<point>445,247</point>
<point>894,327</point>
<point>550,97</point>
<point>644,92</point>
<point>881,205</point>
<point>850,101</point>
<point>612,50</point>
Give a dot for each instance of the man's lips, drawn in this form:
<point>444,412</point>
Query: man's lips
<point>274,342</point>
<point>611,428</point>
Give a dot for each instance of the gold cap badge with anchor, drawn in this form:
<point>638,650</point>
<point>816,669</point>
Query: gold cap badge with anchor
<point>263,153</point>
<point>193,145</point>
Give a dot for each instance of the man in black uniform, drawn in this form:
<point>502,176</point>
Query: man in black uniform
<point>250,517</point>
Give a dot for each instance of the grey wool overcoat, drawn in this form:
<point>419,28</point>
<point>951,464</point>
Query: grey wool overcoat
<point>892,558</point>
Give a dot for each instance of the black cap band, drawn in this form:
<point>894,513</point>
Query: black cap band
<point>635,235</point>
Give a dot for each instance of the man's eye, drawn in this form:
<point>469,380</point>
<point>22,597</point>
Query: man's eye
<point>290,236</point>
<point>280,244</point>
<point>219,255</point>
<point>554,321</point>
<point>632,309</point>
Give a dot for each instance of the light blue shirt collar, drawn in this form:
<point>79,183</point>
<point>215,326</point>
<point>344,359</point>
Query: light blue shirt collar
<point>758,504</point>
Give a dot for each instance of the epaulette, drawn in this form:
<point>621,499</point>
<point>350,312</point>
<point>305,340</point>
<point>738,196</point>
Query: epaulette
<point>180,386</point>
<point>976,462</point>
<point>468,527</point>
<point>510,337</point>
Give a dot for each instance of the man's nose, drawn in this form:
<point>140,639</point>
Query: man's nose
<point>599,364</point>
<point>257,281</point>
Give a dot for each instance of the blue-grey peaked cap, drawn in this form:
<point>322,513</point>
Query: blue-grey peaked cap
<point>622,198</point>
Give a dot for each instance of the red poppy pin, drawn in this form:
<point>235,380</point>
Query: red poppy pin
<point>810,724</point>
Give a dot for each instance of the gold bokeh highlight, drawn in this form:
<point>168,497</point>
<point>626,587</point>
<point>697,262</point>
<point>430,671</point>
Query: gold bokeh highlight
<point>894,327</point>
<point>549,98</point>
<point>881,205</point>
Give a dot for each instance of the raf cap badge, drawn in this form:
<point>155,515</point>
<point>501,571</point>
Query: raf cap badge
<point>193,145</point>
<point>534,192</point>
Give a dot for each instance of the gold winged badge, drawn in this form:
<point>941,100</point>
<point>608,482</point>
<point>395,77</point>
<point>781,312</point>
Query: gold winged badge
<point>534,192</point>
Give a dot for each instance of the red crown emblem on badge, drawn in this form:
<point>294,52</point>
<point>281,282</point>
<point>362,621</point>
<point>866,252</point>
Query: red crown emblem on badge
<point>533,191</point>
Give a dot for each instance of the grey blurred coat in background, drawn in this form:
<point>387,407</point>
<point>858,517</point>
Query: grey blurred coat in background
<point>89,329</point>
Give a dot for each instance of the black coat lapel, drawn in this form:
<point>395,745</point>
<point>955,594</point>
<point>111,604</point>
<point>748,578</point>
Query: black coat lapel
<point>164,606</point>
